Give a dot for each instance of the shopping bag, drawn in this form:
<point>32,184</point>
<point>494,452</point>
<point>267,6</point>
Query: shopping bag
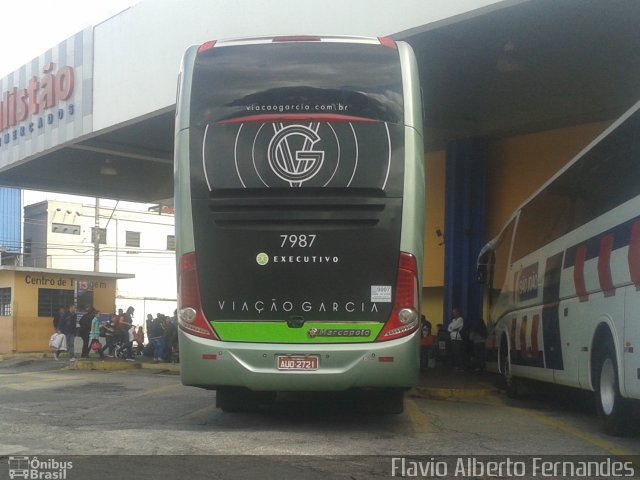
<point>54,341</point>
<point>58,341</point>
<point>95,345</point>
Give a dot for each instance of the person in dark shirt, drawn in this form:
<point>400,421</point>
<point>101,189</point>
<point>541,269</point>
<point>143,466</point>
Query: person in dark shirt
<point>156,336</point>
<point>67,325</point>
<point>56,318</point>
<point>85,328</point>
<point>125,326</point>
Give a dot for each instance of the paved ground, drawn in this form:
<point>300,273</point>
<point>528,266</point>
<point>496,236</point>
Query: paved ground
<point>47,409</point>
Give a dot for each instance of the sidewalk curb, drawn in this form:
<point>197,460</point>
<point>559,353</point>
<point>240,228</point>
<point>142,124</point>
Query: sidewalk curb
<point>93,364</point>
<point>82,364</point>
<point>453,393</point>
<point>25,356</point>
<point>172,367</point>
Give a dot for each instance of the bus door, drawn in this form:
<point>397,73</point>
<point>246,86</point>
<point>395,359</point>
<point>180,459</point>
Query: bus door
<point>551,331</point>
<point>631,344</point>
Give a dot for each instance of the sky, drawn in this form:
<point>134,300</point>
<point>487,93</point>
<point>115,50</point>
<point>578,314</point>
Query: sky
<point>29,31</point>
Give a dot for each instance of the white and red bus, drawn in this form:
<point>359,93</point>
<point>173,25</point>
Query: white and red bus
<point>564,278</point>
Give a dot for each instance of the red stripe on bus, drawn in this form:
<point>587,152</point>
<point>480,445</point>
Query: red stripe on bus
<point>523,336</point>
<point>297,117</point>
<point>578,273</point>
<point>604,266</point>
<point>535,326</point>
<point>634,254</point>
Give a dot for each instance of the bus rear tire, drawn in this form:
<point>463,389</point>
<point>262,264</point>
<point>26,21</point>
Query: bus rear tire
<point>391,401</point>
<point>236,400</point>
<point>612,408</point>
<point>510,382</point>
<point>385,401</point>
<point>395,401</point>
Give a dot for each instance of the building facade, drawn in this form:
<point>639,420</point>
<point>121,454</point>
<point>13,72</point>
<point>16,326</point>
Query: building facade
<point>10,240</point>
<point>94,238</point>
<point>29,298</point>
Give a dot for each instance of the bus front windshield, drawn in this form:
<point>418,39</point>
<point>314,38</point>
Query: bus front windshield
<point>500,289</point>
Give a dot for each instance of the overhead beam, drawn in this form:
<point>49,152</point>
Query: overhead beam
<point>125,151</point>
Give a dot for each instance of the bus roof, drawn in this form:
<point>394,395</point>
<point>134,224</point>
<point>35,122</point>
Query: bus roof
<point>303,38</point>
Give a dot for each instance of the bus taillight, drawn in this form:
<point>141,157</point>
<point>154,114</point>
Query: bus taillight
<point>405,317</point>
<point>387,42</point>
<point>190,316</point>
<point>207,46</point>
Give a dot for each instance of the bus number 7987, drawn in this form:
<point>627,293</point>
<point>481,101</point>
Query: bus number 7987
<point>301,241</point>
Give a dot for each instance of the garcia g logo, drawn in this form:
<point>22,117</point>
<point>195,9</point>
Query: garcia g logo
<point>290,155</point>
<point>293,155</point>
<point>292,165</point>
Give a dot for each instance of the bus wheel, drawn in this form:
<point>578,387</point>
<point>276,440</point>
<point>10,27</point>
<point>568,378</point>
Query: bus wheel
<point>389,401</point>
<point>236,400</point>
<point>612,408</point>
<point>392,400</point>
<point>510,382</point>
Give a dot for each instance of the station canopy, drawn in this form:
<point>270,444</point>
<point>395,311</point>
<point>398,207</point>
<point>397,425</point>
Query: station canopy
<point>525,67</point>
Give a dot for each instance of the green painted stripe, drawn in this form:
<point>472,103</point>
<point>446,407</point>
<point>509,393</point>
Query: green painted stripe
<point>280,332</point>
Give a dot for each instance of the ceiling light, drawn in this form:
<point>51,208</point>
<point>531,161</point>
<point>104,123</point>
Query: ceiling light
<point>108,168</point>
<point>509,60</point>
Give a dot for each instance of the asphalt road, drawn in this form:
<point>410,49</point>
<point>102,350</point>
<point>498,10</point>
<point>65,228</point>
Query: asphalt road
<point>49,411</point>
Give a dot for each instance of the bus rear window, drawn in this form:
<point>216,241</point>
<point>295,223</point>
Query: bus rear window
<point>328,77</point>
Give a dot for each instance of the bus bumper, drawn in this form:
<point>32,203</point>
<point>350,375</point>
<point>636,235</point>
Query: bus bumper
<point>212,364</point>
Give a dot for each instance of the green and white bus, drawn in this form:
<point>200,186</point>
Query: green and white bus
<point>299,195</point>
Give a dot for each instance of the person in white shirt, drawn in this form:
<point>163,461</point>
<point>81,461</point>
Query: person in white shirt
<point>457,344</point>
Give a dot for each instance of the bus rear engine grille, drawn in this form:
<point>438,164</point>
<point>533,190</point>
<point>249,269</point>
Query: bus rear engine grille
<point>234,211</point>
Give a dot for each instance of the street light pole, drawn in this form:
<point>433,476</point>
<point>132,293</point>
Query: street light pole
<point>96,238</point>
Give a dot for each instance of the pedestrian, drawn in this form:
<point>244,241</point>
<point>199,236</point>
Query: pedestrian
<point>94,335</point>
<point>84,329</point>
<point>131,336</point>
<point>67,325</point>
<point>170,337</point>
<point>426,342</point>
<point>56,318</point>
<point>128,315</point>
<point>457,343</point>
<point>147,325</point>
<point>156,336</point>
<point>122,325</point>
<point>139,339</point>
<point>443,345</point>
<point>109,336</point>
<point>477,338</point>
